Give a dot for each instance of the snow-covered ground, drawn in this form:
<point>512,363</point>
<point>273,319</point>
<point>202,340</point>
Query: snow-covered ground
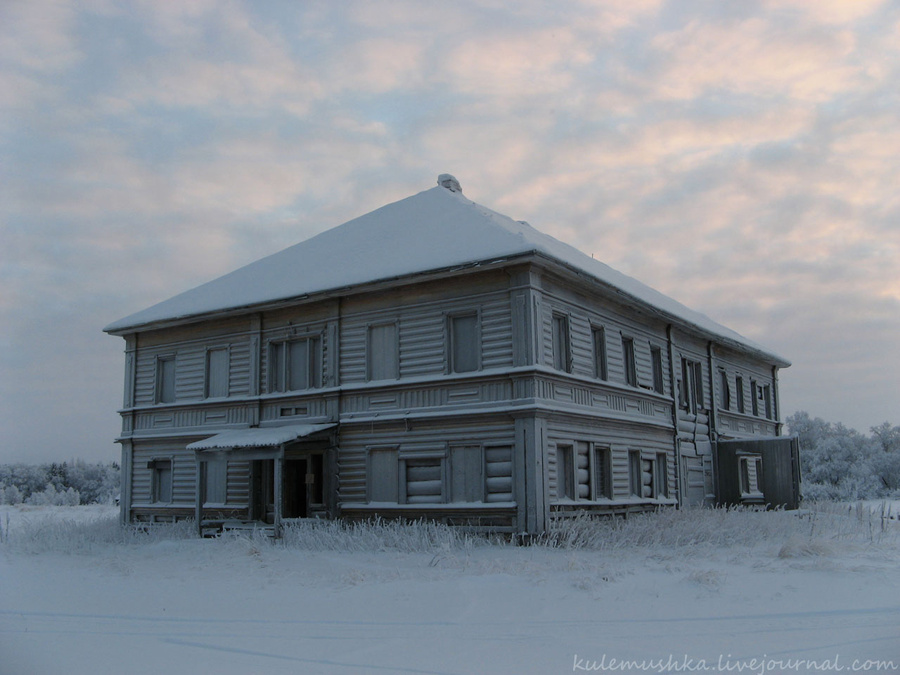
<point>691,591</point>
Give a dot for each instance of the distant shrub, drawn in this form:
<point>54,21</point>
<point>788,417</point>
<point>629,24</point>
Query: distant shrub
<point>51,496</point>
<point>59,484</point>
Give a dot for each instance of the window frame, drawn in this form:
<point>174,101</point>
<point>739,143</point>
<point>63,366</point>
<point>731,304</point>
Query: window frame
<point>561,342</point>
<point>566,479</point>
<point>370,362</point>
<point>629,362</point>
<point>725,386</point>
<point>227,372</point>
<point>452,338</point>
<point>160,388</point>
<point>154,465</point>
<point>635,484</point>
<point>280,382</point>
<point>656,368</point>
<point>740,394</point>
<point>371,483</point>
<point>601,457</point>
<point>600,352</point>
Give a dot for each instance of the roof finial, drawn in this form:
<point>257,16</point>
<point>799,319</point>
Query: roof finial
<point>445,180</point>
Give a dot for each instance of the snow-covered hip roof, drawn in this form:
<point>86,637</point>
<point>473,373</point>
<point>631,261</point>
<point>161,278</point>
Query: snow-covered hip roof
<point>432,230</point>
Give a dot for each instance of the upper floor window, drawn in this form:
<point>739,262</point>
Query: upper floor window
<point>295,364</point>
<point>726,390</point>
<point>767,397</point>
<point>562,355</point>
<point>383,354</point>
<point>465,348</point>
<point>755,394</point>
<point>598,339</point>
<point>656,365</point>
<point>216,373</point>
<point>165,379</point>
<point>739,393</point>
<point>629,362</point>
<point>691,392</point>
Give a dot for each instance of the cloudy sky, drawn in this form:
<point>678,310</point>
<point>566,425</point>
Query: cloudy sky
<point>742,157</point>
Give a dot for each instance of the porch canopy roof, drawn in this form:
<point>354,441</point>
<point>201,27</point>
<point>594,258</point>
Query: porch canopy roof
<point>257,437</point>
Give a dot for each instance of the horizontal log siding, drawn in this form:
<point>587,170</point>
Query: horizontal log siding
<point>356,439</point>
<point>422,335</point>
<point>620,440</point>
<point>183,472</point>
<point>584,313</point>
<point>237,486</point>
<point>190,368</point>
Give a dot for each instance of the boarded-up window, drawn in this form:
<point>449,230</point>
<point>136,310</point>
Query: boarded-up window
<point>561,351</point>
<point>602,483</point>
<point>161,481</point>
<point>216,481</point>
<point>583,470</point>
<point>498,473</point>
<point>656,365</point>
<point>383,478</point>
<point>565,472</point>
<point>598,338</point>
<point>216,373</point>
<point>466,474</point>
<point>165,379</point>
<point>424,480</point>
<point>295,364</point>
<point>382,352</point>
<point>464,344</point>
<point>630,365</point>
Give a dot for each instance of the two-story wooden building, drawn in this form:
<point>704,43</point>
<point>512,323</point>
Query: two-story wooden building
<point>434,359</point>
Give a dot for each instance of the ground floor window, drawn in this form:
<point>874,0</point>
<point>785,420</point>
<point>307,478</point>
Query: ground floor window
<point>160,481</point>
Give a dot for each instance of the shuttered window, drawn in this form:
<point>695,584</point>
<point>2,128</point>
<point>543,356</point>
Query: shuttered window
<point>216,373</point>
<point>165,379</point>
<point>466,474</point>
<point>295,365</point>
<point>598,338</point>
<point>383,475</point>
<point>561,351</point>
<point>464,343</point>
<point>656,365</point>
<point>602,474</point>
<point>382,357</point>
<point>565,472</point>
<point>629,362</point>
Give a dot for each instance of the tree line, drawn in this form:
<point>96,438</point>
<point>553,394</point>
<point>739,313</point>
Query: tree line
<point>842,464</point>
<point>65,484</point>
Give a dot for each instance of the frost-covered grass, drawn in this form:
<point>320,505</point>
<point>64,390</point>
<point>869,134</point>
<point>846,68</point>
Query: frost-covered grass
<point>34,530</point>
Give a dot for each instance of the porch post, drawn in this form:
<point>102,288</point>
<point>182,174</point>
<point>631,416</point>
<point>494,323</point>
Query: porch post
<point>199,484</point>
<point>279,461</point>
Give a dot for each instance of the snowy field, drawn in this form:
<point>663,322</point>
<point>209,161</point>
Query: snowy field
<point>690,591</point>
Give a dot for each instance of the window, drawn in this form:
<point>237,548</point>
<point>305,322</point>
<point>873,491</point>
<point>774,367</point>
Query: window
<point>562,358</point>
<point>165,379</point>
<point>656,366</point>
<point>755,393</point>
<point>383,358</point>
<point>216,373</point>
<point>751,474</point>
<point>628,357</point>
<point>661,476</point>
<point>464,343</point>
<point>767,399</point>
<point>691,389</point>
<point>384,479</point>
<point>602,478</point>
<point>160,481</point>
<point>726,390</point>
<point>635,479</point>
<point>598,337</point>
<point>466,474</point>
<point>295,364</point>
<point>565,472</point>
<point>216,479</point>
<point>739,393</point>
